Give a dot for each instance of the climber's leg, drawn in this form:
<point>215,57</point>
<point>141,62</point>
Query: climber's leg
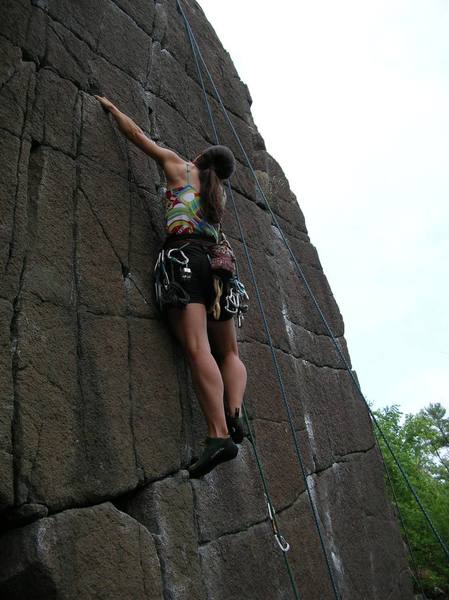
<point>223,340</point>
<point>189,325</point>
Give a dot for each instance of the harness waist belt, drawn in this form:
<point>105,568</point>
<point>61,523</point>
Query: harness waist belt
<point>180,238</point>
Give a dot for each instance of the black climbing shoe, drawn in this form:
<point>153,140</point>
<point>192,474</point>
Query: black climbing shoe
<point>217,450</point>
<point>235,426</point>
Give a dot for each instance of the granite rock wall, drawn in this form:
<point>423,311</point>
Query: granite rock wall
<point>98,418</point>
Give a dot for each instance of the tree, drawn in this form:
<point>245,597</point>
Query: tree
<point>420,443</point>
<point>440,445</point>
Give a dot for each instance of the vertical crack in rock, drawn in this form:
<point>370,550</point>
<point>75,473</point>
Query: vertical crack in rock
<point>34,174</point>
<point>100,31</point>
<point>35,168</point>
<point>34,461</point>
<point>163,564</point>
<point>140,470</point>
<point>16,438</point>
<point>76,276</point>
<point>40,61</point>
<point>186,412</point>
<point>196,524</point>
<point>134,185</point>
<point>106,235</point>
<point>160,23</point>
<point>323,508</point>
<point>141,563</point>
<point>12,242</point>
<point>78,61</point>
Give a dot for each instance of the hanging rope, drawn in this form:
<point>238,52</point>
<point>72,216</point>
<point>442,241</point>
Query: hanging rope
<point>279,538</point>
<point>195,49</point>
<point>283,545</point>
<point>415,570</point>
<point>302,276</point>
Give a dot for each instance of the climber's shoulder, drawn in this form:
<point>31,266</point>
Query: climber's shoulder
<point>164,156</point>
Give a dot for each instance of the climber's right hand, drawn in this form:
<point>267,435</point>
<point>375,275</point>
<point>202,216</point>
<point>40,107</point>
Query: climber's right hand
<point>107,104</point>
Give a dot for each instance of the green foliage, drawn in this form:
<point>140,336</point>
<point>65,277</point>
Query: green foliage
<point>421,444</point>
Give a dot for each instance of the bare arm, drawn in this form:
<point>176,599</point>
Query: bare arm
<point>134,133</point>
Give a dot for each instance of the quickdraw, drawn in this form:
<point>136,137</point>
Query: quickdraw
<point>185,271</point>
<point>167,290</point>
<point>237,298</point>
<point>281,541</point>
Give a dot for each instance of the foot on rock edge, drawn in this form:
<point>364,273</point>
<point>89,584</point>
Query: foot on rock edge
<point>217,450</point>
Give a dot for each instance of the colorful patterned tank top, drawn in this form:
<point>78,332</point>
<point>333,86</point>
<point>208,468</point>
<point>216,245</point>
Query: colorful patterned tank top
<point>183,212</point>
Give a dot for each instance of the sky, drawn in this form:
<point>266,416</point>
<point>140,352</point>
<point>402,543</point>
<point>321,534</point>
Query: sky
<point>352,99</point>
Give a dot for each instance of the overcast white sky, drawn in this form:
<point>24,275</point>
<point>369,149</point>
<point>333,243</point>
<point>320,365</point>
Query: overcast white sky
<point>352,99</point>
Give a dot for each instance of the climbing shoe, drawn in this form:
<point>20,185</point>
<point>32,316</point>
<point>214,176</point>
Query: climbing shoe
<point>235,426</point>
<point>217,450</point>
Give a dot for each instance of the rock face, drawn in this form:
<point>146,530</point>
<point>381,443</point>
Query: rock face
<point>98,419</point>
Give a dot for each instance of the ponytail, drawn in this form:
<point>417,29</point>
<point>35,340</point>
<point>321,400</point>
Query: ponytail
<point>215,164</point>
<point>211,192</point>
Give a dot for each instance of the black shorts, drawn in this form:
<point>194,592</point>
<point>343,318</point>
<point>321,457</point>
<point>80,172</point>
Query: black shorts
<point>200,286</point>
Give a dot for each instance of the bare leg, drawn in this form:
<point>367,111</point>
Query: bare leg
<point>190,327</point>
<point>223,340</point>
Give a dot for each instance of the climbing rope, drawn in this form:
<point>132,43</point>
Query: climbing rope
<point>414,570</point>
<point>279,538</point>
<point>302,276</point>
<point>195,49</point>
<point>283,545</point>
<point>335,341</point>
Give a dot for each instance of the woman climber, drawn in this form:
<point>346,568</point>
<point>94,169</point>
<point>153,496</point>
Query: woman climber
<point>200,318</point>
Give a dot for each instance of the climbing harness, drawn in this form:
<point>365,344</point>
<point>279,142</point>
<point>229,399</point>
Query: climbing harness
<point>172,262</point>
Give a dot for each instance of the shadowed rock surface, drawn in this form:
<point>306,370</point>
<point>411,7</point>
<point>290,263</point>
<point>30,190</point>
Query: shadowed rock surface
<point>98,418</point>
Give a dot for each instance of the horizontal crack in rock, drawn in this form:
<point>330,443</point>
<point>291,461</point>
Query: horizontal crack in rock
<point>341,458</point>
<point>252,340</point>
<point>205,542</point>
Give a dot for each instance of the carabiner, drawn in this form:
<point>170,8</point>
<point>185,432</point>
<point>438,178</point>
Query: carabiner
<point>282,543</point>
<point>183,261</point>
<point>232,302</point>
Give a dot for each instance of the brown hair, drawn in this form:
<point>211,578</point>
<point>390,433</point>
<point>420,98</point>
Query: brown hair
<point>215,164</point>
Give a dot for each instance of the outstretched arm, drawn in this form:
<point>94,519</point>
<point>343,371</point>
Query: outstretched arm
<point>134,133</point>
